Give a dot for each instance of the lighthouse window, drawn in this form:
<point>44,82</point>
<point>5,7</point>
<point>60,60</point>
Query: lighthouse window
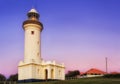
<point>32,32</point>
<point>37,54</point>
<point>37,42</point>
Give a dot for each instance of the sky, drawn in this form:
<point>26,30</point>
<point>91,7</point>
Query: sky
<point>78,33</point>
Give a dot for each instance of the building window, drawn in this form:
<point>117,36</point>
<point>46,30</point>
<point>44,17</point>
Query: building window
<point>38,42</point>
<point>37,54</point>
<point>32,32</point>
<point>38,71</point>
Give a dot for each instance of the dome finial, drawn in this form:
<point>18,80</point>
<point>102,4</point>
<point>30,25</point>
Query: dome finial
<point>33,10</point>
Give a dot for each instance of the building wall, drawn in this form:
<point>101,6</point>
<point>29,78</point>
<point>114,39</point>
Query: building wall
<point>38,71</point>
<point>59,73</point>
<point>55,72</point>
<point>88,75</point>
<point>25,72</point>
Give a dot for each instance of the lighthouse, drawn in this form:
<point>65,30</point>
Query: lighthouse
<point>33,28</point>
<point>32,68</point>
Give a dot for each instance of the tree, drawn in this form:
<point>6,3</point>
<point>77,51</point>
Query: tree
<point>13,77</point>
<point>2,77</point>
<point>73,73</point>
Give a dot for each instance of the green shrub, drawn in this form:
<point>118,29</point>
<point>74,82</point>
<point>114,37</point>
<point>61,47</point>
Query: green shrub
<point>13,77</point>
<point>2,77</point>
<point>112,76</point>
<point>72,73</point>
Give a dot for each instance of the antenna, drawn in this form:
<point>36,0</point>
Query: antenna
<point>33,4</point>
<point>106,60</point>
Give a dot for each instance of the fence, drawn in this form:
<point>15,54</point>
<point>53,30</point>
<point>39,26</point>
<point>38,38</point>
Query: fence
<point>71,78</point>
<point>8,82</point>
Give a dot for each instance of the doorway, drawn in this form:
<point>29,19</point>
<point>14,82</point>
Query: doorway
<point>46,74</point>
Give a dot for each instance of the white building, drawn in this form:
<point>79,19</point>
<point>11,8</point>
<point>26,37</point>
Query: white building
<point>33,68</point>
<point>94,73</point>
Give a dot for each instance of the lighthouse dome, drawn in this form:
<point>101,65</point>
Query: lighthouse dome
<point>33,10</point>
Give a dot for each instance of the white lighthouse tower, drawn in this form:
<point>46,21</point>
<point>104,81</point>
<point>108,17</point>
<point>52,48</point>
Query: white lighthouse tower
<point>32,68</point>
<point>32,28</point>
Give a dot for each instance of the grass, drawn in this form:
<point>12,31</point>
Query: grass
<point>83,81</point>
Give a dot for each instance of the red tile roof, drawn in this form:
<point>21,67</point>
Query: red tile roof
<point>95,71</point>
<point>114,72</point>
<point>82,73</point>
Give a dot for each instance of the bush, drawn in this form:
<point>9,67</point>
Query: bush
<point>2,77</point>
<point>112,76</point>
<point>72,73</point>
<point>13,77</point>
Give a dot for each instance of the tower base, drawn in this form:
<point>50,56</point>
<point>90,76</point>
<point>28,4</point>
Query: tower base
<point>34,72</point>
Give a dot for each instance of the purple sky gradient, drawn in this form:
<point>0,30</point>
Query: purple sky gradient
<point>80,33</point>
